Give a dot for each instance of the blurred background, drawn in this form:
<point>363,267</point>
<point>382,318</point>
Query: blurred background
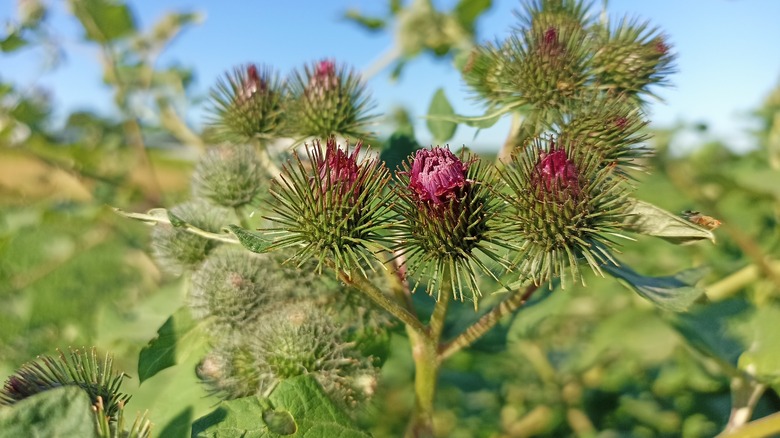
<point>102,103</point>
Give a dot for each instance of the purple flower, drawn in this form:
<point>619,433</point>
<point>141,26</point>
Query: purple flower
<point>437,176</point>
<point>252,83</point>
<point>339,169</point>
<point>556,174</point>
<point>324,77</point>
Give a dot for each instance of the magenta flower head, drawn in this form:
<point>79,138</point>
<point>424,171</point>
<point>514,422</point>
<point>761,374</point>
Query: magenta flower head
<point>247,104</point>
<point>328,99</point>
<point>339,169</point>
<point>332,206</point>
<point>556,174</point>
<point>437,176</point>
<point>563,206</point>
<point>448,212</point>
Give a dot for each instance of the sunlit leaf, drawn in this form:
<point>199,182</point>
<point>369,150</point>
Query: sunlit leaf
<point>439,111</point>
<point>297,408</point>
<point>648,219</point>
<point>104,20</point>
<point>61,412</point>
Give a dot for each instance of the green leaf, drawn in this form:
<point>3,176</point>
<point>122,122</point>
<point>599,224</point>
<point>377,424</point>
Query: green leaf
<point>368,23</point>
<point>252,241</point>
<point>104,20</point>
<point>648,219</point>
<point>438,112</point>
<point>761,338</point>
<point>675,293</point>
<point>62,412</point>
<point>12,42</point>
<point>176,340</point>
<point>708,329</point>
<point>467,11</point>
<point>399,146</point>
<point>297,408</point>
<point>179,426</point>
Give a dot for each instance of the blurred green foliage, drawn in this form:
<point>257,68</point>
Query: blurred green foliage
<point>581,362</point>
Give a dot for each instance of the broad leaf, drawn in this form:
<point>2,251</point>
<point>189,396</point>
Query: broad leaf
<point>761,338</point>
<point>439,110</point>
<point>62,412</point>
<point>104,20</point>
<point>250,240</point>
<point>176,340</point>
<point>709,330</point>
<point>467,12</point>
<point>648,219</point>
<point>675,293</point>
<point>297,408</point>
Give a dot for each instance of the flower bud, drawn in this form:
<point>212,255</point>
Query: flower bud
<point>248,104</point>
<point>437,176</point>
<point>328,100</point>
<point>177,250</point>
<point>564,206</point>
<point>81,368</point>
<point>333,208</point>
<point>230,176</point>
<point>610,127</point>
<point>448,214</point>
<point>631,58</point>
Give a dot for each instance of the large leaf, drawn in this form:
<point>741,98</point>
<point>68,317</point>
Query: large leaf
<point>467,11</point>
<point>439,110</point>
<point>62,412</point>
<point>675,293</point>
<point>104,20</point>
<point>648,219</point>
<point>709,330</point>
<point>761,338</point>
<point>178,338</point>
<point>297,408</point>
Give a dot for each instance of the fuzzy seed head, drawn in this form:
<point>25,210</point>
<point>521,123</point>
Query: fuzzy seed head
<point>293,340</point>
<point>177,250</point>
<point>230,176</point>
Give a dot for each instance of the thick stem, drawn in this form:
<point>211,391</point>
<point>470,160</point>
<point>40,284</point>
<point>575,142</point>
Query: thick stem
<point>426,365</point>
<point>487,322</point>
<point>362,284</point>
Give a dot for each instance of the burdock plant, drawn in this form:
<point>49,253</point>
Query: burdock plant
<point>552,210</point>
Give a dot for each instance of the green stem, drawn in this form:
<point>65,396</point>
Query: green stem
<point>362,284</point>
<point>767,426</point>
<point>426,365</point>
<point>513,302</point>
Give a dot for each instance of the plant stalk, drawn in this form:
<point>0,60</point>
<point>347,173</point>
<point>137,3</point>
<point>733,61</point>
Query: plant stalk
<point>426,365</point>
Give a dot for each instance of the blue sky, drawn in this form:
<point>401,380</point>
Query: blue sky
<point>728,55</point>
